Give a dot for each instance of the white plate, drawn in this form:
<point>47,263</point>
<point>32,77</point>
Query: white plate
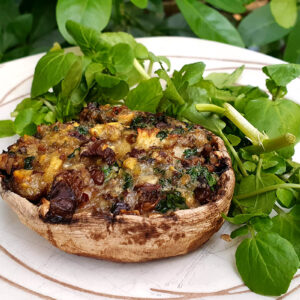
<point>32,268</point>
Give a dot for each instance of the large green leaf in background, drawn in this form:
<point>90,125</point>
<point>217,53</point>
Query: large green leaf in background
<point>91,13</point>
<point>292,50</point>
<point>284,12</point>
<point>207,23</point>
<point>260,28</point>
<point>232,6</point>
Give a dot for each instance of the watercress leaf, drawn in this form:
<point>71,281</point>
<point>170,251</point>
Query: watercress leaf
<point>234,140</point>
<point>140,51</point>
<point>90,72</point>
<point>114,38</point>
<point>242,218</point>
<point>239,231</point>
<point>30,129</point>
<point>160,59</point>
<point>243,94</point>
<point>222,80</point>
<point>116,92</point>
<point>262,202</point>
<point>170,92</point>
<point>106,80</point>
<point>249,166</point>
<point>190,74</point>
<point>275,165</point>
<point>208,23</point>
<point>140,3</point>
<point>50,117</point>
<point>288,226</point>
<point>72,79</point>
<point>91,13</point>
<point>88,39</point>
<point>282,74</point>
<point>261,223</point>
<point>260,28</point>
<point>292,50</point>
<point>196,95</point>
<point>24,119</point>
<point>267,263</point>
<point>275,118</point>
<point>285,197</point>
<point>284,12</point>
<point>276,91</point>
<point>122,57</point>
<point>50,70</point>
<point>145,96</point>
<point>27,103</point>
<point>6,128</point>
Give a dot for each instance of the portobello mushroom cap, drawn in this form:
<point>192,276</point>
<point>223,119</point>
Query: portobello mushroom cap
<point>132,238</point>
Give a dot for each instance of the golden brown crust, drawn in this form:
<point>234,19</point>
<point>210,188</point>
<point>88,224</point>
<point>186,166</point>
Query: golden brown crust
<point>131,238</point>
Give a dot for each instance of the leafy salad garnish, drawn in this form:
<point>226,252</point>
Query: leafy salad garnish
<point>260,133</point>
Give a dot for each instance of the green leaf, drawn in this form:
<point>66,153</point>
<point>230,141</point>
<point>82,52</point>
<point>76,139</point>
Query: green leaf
<point>23,123</point>
<point>263,202</point>
<point>282,74</point>
<point>145,96</point>
<point>288,226</point>
<point>239,231</point>
<point>171,92</point>
<point>122,57</point>
<point>249,166</point>
<point>50,70</point>
<point>27,103</point>
<point>140,3</point>
<point>260,28</point>
<point>21,27</point>
<point>284,12</point>
<point>89,40</point>
<point>261,223</point>
<point>222,80</point>
<point>242,218</point>
<point>196,95</point>
<point>91,13</point>
<point>232,6</point>
<point>91,71</point>
<point>285,197</point>
<point>292,50</point>
<point>6,128</point>
<point>208,23</point>
<point>106,80</point>
<point>275,118</point>
<point>267,263</point>
<point>189,74</point>
<point>72,79</point>
<point>234,140</point>
<point>274,164</point>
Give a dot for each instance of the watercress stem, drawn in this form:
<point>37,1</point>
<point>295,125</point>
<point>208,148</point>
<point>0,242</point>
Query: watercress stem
<point>243,124</point>
<point>268,189</point>
<point>140,69</point>
<point>269,145</point>
<point>234,153</point>
<point>236,118</point>
<point>150,67</point>
<point>49,105</point>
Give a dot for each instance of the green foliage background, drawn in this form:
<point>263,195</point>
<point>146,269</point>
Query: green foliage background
<point>31,26</point>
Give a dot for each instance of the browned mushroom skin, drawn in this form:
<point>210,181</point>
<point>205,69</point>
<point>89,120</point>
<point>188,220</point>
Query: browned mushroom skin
<point>103,191</point>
